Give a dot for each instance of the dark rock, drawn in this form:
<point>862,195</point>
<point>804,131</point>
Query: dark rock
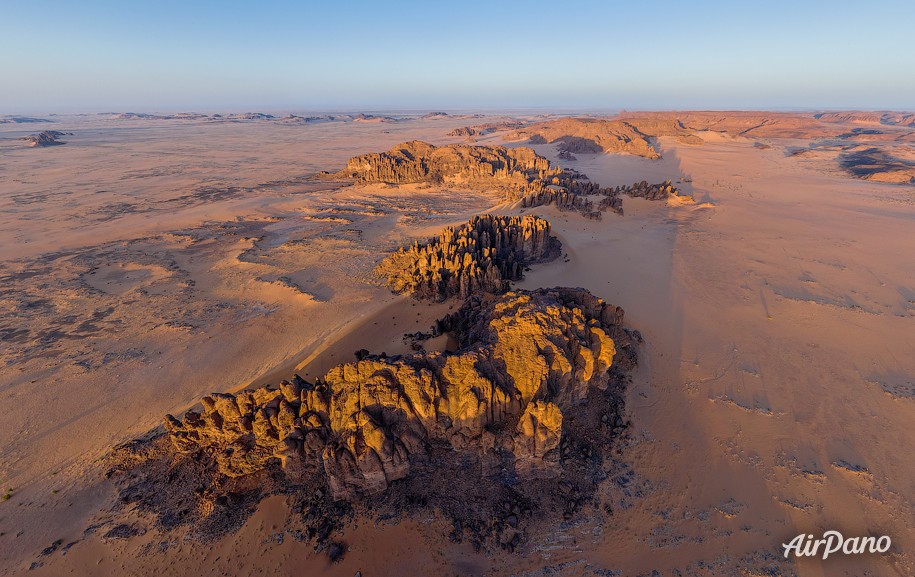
<point>335,552</point>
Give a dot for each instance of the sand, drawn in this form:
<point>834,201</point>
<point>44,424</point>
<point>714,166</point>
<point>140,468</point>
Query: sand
<point>774,395</point>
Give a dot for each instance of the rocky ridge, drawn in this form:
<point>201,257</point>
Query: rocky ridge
<point>482,255</point>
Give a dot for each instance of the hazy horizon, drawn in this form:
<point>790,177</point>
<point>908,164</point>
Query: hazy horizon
<point>98,56</point>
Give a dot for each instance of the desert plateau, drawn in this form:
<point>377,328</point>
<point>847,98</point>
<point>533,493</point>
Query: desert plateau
<point>354,289</point>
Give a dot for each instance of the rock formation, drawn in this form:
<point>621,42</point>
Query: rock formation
<point>578,135</point>
<point>486,128</point>
<point>523,174</point>
<point>524,359</point>
<point>46,138</point>
<point>361,117</point>
<point>465,131</point>
<point>482,255</point>
<point>22,120</point>
<point>418,161</point>
<point>895,166</point>
<point>571,191</point>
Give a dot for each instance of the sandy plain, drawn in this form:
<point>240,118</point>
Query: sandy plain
<point>148,262</point>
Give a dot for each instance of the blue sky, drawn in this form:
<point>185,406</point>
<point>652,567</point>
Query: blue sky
<point>97,55</point>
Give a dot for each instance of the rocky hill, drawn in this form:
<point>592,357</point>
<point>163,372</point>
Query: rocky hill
<point>482,255</point>
<point>46,138</point>
<point>534,388</point>
<point>418,161</point>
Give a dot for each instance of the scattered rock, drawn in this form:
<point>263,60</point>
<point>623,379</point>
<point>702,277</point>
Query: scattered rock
<point>124,531</point>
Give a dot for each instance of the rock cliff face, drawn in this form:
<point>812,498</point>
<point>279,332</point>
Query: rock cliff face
<point>418,161</point>
<point>525,358</point>
<point>482,255</point>
<point>576,135</point>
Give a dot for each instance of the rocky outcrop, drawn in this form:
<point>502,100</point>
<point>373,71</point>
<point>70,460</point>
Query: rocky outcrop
<point>482,255</point>
<point>487,128</point>
<point>577,135</point>
<point>649,191</point>
<point>521,173</point>
<point>894,166</point>
<point>525,359</point>
<point>418,161</point>
<point>466,131</point>
<point>46,138</point>
<point>572,191</point>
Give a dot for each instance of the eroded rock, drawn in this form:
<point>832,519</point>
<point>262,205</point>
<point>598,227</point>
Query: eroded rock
<point>482,255</point>
<point>524,358</point>
<point>418,161</point>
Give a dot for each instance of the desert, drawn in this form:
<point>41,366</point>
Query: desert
<point>476,289</point>
<point>727,427</point>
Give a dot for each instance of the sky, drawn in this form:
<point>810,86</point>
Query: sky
<point>339,55</point>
